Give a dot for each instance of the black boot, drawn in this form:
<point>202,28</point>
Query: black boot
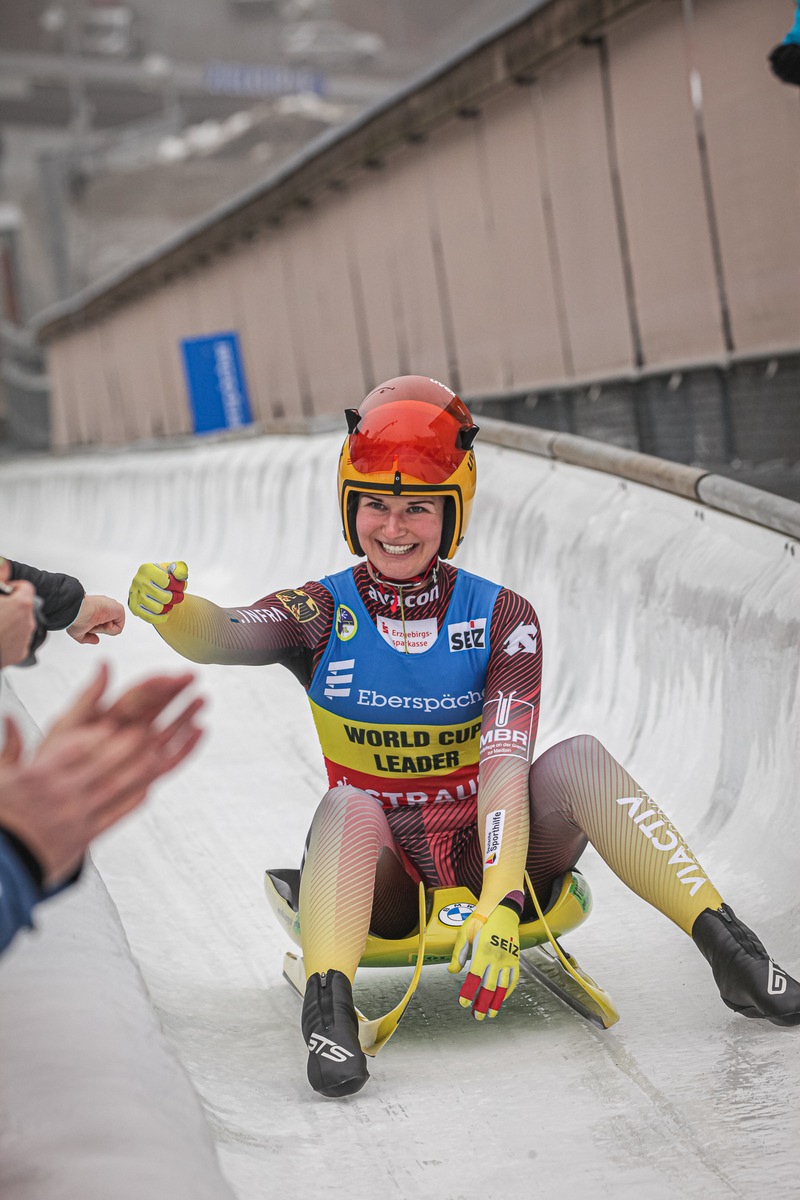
<point>748,980</point>
<point>336,1062</point>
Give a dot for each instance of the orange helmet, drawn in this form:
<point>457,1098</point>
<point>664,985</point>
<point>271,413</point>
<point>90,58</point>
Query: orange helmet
<point>410,436</point>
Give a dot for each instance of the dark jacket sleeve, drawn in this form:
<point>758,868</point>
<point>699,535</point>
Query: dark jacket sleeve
<point>20,888</point>
<point>61,595</point>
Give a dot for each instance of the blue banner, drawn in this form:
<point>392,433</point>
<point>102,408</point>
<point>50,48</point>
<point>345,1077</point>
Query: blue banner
<point>216,383</point>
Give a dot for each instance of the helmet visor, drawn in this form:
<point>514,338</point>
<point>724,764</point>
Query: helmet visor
<point>419,438</point>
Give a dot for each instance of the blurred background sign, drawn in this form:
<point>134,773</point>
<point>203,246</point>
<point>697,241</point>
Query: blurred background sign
<point>216,382</point>
<point>249,79</point>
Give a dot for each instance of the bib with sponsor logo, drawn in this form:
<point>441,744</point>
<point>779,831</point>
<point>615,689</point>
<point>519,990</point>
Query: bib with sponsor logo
<point>404,725</point>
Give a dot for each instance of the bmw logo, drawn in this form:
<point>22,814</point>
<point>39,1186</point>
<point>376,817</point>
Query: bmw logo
<point>456,914</point>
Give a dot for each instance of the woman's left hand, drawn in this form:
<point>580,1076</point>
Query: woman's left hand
<point>494,972</point>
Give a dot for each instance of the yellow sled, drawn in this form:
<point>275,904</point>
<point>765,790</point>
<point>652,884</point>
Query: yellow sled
<point>446,911</point>
<point>442,912</point>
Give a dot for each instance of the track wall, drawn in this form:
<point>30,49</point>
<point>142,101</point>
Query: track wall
<point>671,631</point>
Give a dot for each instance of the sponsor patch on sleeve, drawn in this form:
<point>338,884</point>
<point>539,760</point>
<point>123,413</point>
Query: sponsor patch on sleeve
<point>494,836</point>
<point>507,727</point>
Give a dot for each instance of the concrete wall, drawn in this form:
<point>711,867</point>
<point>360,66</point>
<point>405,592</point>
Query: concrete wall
<point>571,210</point>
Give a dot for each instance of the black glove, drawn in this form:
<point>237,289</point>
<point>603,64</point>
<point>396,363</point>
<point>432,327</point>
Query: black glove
<point>785,62</point>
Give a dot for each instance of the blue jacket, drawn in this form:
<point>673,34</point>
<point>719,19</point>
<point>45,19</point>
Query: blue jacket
<point>793,36</point>
<point>20,887</point>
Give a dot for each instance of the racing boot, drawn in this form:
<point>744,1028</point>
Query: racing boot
<point>748,980</point>
<point>336,1062</point>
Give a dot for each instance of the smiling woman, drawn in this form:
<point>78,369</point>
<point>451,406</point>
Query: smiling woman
<point>412,436</point>
<point>404,652</point>
<point>400,536</point>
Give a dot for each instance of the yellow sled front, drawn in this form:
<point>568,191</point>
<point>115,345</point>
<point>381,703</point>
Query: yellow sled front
<point>447,909</point>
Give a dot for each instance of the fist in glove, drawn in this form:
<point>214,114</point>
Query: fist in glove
<point>156,589</point>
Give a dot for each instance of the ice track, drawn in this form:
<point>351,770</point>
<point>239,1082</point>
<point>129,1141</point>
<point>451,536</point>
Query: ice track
<point>670,631</point>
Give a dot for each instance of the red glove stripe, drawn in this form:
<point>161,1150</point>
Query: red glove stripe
<point>498,998</point>
<point>176,588</point>
<point>470,986</point>
<point>484,1001</point>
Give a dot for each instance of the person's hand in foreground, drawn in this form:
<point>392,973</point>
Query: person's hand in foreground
<point>93,767</point>
<point>98,614</point>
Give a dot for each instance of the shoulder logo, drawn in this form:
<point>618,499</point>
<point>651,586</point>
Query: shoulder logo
<point>299,604</point>
<point>346,623</point>
<point>468,635</point>
<point>524,638</point>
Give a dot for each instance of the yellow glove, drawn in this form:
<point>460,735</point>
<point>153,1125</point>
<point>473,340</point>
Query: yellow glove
<point>156,589</point>
<point>494,973</point>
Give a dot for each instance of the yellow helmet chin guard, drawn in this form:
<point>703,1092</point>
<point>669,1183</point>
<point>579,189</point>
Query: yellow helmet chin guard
<point>410,436</point>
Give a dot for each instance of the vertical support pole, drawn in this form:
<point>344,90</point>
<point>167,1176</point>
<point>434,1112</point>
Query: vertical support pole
<point>696,88</point>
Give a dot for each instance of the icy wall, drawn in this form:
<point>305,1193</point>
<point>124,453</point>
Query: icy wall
<point>671,631</point>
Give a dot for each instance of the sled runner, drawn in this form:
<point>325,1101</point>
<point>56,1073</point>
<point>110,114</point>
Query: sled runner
<point>442,912</point>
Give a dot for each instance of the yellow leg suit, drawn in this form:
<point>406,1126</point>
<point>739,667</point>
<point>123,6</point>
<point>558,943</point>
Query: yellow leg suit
<point>354,878</point>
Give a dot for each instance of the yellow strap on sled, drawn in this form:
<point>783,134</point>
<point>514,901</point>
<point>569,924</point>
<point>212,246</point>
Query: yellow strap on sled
<point>374,1034</point>
<point>598,995</point>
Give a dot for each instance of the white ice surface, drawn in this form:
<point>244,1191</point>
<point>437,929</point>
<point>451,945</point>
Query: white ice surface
<point>671,632</point>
